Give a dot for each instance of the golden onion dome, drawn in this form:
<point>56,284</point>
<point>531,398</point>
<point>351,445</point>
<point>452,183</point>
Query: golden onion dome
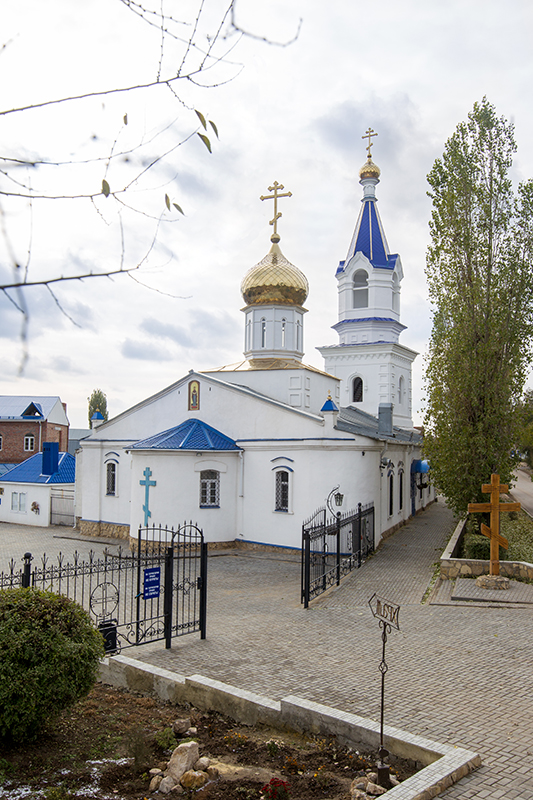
<point>274,280</point>
<point>369,170</point>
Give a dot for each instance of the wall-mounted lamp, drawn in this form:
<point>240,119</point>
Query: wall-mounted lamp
<point>337,496</point>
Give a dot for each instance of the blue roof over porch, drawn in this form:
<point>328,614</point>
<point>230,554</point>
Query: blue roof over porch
<point>193,434</point>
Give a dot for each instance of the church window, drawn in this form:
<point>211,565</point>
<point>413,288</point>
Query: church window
<point>391,495</point>
<point>263,332</point>
<point>1,441</point>
<point>282,490</point>
<point>400,391</point>
<point>248,334</point>
<point>400,490</point>
<point>18,502</point>
<point>298,335</point>
<point>360,289</point>
<point>111,478</point>
<point>209,489</point>
<point>283,331</point>
<point>29,443</point>
<point>357,390</point>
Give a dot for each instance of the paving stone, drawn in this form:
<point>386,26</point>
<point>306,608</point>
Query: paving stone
<point>459,672</point>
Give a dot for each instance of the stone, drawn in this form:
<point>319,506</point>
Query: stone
<point>155,783</point>
<point>167,784</point>
<point>394,781</point>
<point>202,764</point>
<point>194,779</point>
<point>192,731</point>
<point>374,789</point>
<point>492,582</point>
<point>155,771</point>
<point>372,777</point>
<point>181,726</point>
<point>356,794</point>
<point>183,759</point>
<point>212,773</point>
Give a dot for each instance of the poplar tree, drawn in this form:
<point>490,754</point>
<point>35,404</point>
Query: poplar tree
<point>481,287</point>
<point>97,402</point>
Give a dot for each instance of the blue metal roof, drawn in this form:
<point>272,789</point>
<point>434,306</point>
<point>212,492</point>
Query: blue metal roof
<point>329,405</point>
<point>369,239</point>
<point>193,434</point>
<point>30,471</point>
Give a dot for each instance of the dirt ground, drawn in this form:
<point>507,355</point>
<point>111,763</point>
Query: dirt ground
<point>105,746</point>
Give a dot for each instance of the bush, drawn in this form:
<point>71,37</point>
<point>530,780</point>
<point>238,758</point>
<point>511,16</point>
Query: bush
<point>49,656</point>
<point>475,545</point>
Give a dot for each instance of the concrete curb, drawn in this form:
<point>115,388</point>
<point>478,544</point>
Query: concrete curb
<point>443,764</point>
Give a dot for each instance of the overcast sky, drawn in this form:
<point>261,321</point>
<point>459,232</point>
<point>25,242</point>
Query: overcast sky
<point>296,114</point>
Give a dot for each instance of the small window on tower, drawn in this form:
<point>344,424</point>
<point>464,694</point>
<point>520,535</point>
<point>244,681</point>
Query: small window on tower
<point>360,289</point>
<point>357,390</point>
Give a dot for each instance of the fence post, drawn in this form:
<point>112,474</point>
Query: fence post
<point>338,547</point>
<point>203,589</point>
<point>26,575</point>
<point>307,567</point>
<point>359,543</point>
<point>167,601</point>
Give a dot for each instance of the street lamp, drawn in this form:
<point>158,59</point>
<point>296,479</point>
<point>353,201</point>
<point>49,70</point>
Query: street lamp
<point>337,496</point>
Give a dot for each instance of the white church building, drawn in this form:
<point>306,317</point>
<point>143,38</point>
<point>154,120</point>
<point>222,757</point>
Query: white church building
<point>250,450</point>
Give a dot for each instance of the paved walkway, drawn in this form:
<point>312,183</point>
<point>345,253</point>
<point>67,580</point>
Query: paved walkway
<point>459,672</point>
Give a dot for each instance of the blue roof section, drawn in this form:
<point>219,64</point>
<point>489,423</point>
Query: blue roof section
<point>193,434</point>
<point>17,406</point>
<point>369,239</point>
<point>30,471</point>
<point>5,468</point>
<point>329,405</point>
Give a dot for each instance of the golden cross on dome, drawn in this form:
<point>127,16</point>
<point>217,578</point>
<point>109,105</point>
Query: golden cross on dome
<point>369,134</point>
<point>276,188</point>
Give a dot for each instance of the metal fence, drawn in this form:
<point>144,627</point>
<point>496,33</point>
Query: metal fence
<point>155,593</point>
<point>331,548</point>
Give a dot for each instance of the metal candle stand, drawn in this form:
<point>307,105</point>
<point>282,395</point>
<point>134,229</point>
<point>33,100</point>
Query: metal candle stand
<point>387,613</point>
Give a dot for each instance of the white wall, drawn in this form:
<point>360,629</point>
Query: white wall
<point>35,493</point>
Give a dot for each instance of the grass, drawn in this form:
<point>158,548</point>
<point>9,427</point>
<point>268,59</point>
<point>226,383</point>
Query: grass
<point>517,527</point>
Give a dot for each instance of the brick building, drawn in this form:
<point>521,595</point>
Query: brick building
<point>28,421</point>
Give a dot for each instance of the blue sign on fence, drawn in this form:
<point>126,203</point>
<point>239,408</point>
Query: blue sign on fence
<point>152,582</point>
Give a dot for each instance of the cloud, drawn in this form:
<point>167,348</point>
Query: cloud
<point>166,330</point>
<point>143,351</point>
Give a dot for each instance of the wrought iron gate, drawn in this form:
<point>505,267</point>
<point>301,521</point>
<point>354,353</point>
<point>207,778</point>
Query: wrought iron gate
<point>155,593</point>
<point>332,548</point>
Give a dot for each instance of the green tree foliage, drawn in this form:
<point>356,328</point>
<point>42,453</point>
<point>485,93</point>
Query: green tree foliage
<point>97,402</point>
<point>481,287</point>
<point>49,657</point>
<point>525,435</point>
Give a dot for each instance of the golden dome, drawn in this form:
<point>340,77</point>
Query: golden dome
<point>369,170</point>
<point>274,280</point>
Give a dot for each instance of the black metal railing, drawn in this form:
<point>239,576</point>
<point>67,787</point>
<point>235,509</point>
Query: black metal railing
<point>331,548</point>
<point>157,592</point>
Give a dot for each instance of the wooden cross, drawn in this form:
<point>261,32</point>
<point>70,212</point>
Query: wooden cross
<point>276,188</point>
<point>368,134</point>
<point>494,488</point>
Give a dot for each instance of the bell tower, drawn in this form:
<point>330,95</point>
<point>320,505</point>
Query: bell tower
<point>373,366</point>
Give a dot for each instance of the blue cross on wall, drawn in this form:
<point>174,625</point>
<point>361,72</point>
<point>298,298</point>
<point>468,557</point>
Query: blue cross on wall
<point>147,483</point>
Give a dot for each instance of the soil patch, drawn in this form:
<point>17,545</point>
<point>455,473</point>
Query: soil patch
<point>104,747</point>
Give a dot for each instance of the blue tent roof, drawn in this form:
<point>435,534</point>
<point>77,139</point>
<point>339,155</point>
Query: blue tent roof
<point>369,239</point>
<point>30,471</point>
<point>190,435</point>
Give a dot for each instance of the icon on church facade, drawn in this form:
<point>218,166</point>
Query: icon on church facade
<point>194,396</point>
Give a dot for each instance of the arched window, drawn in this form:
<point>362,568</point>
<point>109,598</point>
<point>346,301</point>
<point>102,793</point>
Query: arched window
<point>391,495</point>
<point>298,335</point>
<point>263,332</point>
<point>111,478</point>
<point>400,390</point>
<point>360,289</point>
<point>400,490</point>
<point>283,331</point>
<point>282,490</point>
<point>209,489</point>
<point>395,293</point>
<point>357,390</point>
<point>249,333</point>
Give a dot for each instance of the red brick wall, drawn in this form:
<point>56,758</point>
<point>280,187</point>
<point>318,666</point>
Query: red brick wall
<point>13,434</point>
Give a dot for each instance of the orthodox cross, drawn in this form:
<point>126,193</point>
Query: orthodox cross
<point>494,488</point>
<point>368,134</point>
<point>276,188</point>
<point>147,483</point>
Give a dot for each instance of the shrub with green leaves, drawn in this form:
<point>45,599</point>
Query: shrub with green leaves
<point>49,656</point>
